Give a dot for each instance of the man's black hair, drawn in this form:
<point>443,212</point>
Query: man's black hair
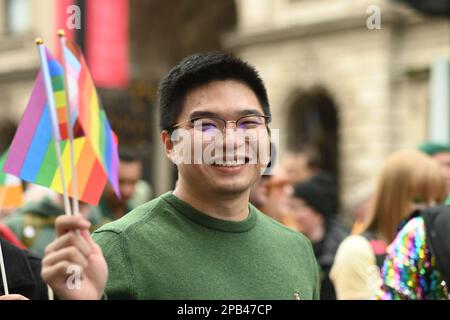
<point>201,69</point>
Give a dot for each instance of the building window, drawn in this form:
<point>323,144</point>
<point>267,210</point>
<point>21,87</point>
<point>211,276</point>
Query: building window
<point>18,14</point>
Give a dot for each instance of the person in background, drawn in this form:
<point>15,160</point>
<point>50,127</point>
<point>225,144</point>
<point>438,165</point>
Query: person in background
<point>7,234</point>
<point>23,271</point>
<point>361,199</point>
<point>133,190</point>
<point>271,193</point>
<point>301,165</point>
<point>417,265</point>
<point>7,130</point>
<point>258,193</point>
<point>277,193</point>
<point>34,223</point>
<point>409,180</point>
<point>441,153</point>
<point>313,207</point>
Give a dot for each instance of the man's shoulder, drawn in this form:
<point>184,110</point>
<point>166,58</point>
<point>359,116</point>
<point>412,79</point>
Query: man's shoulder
<point>134,218</point>
<point>279,230</point>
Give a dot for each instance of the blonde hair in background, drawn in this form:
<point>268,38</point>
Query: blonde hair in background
<point>407,176</point>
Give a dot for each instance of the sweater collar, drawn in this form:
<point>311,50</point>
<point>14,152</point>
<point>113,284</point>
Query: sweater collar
<point>209,222</point>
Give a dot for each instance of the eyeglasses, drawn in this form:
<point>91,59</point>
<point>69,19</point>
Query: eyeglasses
<point>247,125</point>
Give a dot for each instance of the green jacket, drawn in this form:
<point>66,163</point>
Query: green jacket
<point>142,193</point>
<point>166,249</point>
<point>34,224</point>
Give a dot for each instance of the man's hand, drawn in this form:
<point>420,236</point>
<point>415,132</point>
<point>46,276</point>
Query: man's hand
<point>13,297</point>
<point>74,265</point>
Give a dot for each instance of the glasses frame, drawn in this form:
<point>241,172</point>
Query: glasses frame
<point>267,120</point>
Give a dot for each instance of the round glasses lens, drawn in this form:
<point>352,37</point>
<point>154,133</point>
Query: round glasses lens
<point>250,122</point>
<point>207,125</point>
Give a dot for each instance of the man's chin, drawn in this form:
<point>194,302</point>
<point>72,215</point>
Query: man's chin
<point>231,188</point>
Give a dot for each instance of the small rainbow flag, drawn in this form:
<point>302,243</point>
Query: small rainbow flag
<point>11,191</point>
<point>32,153</point>
<point>59,93</point>
<point>85,106</point>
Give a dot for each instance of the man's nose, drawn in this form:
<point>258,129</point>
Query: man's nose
<point>233,136</point>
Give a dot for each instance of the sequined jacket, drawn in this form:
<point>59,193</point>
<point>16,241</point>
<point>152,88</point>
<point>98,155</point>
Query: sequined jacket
<point>410,271</point>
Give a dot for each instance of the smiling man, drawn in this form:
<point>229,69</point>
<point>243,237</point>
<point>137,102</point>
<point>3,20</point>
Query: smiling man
<point>203,240</point>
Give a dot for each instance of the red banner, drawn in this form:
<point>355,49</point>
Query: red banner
<point>106,43</point>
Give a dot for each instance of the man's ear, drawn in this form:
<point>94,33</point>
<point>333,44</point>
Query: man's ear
<point>167,143</point>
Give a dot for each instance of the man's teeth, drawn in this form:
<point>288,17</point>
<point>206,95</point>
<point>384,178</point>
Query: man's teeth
<point>230,163</point>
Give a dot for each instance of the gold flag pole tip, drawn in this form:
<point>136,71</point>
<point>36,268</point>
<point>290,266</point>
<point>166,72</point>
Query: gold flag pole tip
<point>39,41</point>
<point>61,33</point>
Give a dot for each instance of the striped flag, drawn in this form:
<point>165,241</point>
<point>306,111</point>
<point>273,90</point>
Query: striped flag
<point>86,108</point>
<point>59,93</point>
<point>32,153</point>
<point>11,191</point>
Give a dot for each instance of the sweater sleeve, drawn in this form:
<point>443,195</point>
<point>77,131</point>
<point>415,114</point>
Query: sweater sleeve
<point>120,273</point>
<point>354,272</point>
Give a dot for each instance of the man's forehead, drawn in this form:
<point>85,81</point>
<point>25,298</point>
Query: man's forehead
<point>227,94</point>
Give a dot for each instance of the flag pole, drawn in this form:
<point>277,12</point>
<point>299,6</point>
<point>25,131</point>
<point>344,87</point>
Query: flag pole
<point>2,261</point>
<point>2,267</point>
<point>62,41</point>
<point>54,118</point>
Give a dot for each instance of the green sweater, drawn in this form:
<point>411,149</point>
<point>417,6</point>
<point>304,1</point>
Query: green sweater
<point>166,249</point>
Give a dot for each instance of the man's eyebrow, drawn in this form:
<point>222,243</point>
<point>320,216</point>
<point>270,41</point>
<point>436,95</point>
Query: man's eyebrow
<point>249,111</point>
<point>198,114</point>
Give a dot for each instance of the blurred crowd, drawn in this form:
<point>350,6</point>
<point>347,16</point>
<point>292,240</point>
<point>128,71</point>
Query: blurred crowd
<point>384,252</point>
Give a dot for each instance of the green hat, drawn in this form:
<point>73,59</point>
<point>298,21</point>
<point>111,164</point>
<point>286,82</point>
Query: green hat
<point>432,148</point>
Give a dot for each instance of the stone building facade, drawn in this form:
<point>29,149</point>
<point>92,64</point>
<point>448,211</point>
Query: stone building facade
<point>378,80</point>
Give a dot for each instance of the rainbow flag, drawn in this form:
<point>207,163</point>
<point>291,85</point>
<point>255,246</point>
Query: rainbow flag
<point>11,191</point>
<point>86,108</point>
<point>59,93</point>
<point>32,155</point>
